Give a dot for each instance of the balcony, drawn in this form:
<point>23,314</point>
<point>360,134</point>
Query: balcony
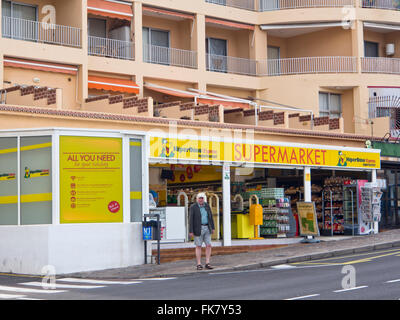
<point>290,66</point>
<point>170,56</point>
<point>380,65</point>
<point>226,64</point>
<point>111,48</point>
<point>271,5</point>
<point>241,4</point>
<point>381,4</point>
<point>41,32</point>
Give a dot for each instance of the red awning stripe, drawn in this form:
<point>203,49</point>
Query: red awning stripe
<point>42,66</point>
<point>118,10</point>
<point>112,84</point>
<point>169,13</point>
<point>231,24</point>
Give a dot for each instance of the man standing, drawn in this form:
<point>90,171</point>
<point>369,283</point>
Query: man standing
<point>201,226</point>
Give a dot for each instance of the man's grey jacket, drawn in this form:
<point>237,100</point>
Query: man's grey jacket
<point>195,219</point>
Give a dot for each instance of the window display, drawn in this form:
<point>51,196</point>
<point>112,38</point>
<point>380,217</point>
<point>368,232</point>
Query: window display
<point>8,182</point>
<point>36,181</point>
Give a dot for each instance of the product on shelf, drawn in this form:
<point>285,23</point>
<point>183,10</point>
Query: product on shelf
<point>276,211</point>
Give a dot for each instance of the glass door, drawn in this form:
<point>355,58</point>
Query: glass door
<point>19,21</point>
<point>217,59</point>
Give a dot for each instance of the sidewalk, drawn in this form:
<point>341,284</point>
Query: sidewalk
<point>296,252</point>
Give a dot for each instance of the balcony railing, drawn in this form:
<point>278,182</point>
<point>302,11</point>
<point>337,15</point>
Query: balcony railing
<point>169,56</point>
<point>111,48</point>
<point>42,32</point>
<point>278,67</point>
<point>234,65</point>
<point>241,4</point>
<point>381,4</point>
<point>380,65</point>
<point>270,5</point>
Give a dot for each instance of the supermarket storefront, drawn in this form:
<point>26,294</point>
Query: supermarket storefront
<point>75,199</point>
<point>267,167</point>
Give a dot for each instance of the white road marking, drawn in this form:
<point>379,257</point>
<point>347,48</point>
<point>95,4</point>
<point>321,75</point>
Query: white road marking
<point>304,297</point>
<point>284,266</point>
<point>26,290</point>
<point>392,281</point>
<point>152,279</point>
<point>350,289</point>
<point>93,281</point>
<point>11,296</point>
<point>60,285</point>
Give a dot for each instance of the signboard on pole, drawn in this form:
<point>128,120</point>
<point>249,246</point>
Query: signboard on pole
<point>307,219</point>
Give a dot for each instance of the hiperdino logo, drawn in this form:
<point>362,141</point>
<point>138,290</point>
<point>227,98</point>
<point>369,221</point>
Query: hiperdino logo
<point>166,149</point>
<point>342,159</point>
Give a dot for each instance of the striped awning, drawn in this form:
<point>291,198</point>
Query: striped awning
<point>229,24</point>
<point>112,84</point>
<point>41,66</point>
<point>163,12</point>
<point>112,9</point>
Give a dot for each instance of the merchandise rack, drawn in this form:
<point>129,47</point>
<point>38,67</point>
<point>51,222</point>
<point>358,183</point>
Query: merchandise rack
<point>276,218</point>
<point>333,213</point>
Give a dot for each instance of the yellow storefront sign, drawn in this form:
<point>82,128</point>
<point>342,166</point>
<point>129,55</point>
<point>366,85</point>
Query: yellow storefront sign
<point>258,153</point>
<point>90,179</point>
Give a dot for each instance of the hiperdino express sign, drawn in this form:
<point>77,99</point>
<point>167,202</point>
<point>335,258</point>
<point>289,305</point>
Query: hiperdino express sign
<point>260,153</point>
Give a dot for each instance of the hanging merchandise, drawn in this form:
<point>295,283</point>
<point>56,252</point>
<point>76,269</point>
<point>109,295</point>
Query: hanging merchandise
<point>189,172</point>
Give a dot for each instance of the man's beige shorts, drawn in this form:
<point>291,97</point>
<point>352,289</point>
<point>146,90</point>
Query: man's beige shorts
<point>205,237</point>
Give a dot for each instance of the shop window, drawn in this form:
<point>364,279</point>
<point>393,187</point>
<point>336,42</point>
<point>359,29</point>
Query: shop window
<point>8,182</point>
<point>35,180</point>
<point>330,105</point>
<point>136,180</point>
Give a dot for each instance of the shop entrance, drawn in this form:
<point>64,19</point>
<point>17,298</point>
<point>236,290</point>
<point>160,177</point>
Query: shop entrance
<point>336,194</point>
<point>390,203</point>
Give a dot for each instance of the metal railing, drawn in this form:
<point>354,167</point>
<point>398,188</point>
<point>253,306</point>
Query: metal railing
<point>278,67</point>
<point>170,56</point>
<point>111,48</point>
<point>228,64</point>
<point>42,32</point>
<point>386,106</point>
<point>380,65</point>
<point>270,5</point>
<point>241,4</point>
<point>381,4</point>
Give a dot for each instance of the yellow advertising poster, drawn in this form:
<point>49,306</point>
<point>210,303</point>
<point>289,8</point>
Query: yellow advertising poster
<point>307,219</point>
<point>190,149</point>
<point>90,179</point>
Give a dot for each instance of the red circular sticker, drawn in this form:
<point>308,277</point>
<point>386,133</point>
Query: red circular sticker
<point>113,206</point>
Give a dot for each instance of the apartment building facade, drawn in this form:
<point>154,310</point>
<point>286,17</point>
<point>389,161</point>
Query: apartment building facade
<point>304,72</point>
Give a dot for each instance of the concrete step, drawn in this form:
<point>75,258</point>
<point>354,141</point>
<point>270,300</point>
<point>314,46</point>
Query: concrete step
<point>169,255</point>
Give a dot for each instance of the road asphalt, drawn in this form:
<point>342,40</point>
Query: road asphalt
<point>297,252</point>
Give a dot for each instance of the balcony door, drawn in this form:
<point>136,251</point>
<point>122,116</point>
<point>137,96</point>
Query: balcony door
<point>217,55</point>
<point>273,56</point>
<point>371,49</point>
<point>19,21</point>
<point>156,46</point>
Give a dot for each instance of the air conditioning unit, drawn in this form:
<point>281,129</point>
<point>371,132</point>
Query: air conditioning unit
<point>390,49</point>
